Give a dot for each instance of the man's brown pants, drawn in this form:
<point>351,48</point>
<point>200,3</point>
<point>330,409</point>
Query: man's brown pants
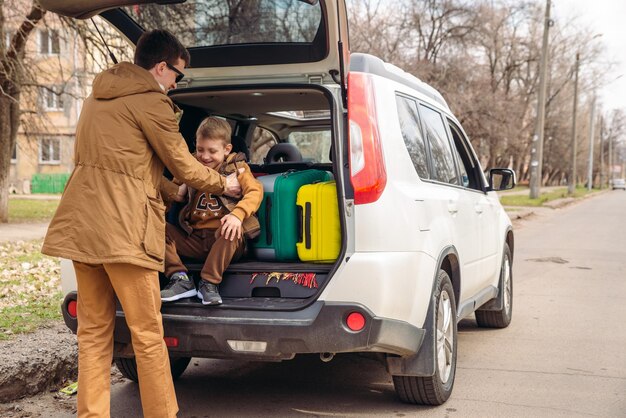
<point>137,289</point>
<point>202,244</point>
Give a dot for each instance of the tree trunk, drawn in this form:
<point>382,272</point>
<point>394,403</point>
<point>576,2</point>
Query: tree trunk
<point>11,79</point>
<point>5,155</point>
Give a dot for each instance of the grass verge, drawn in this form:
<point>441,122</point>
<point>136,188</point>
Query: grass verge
<point>525,200</point>
<point>27,210</point>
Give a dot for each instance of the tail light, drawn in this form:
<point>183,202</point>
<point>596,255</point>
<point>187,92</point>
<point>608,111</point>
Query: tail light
<point>171,341</point>
<point>355,321</point>
<point>367,167</point>
<point>72,308</point>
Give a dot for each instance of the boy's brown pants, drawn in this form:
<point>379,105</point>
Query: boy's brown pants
<point>137,289</point>
<point>202,244</point>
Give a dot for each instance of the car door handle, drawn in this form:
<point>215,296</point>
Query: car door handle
<point>479,208</point>
<point>453,207</point>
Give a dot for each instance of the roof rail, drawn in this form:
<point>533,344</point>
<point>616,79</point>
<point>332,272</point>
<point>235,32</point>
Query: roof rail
<point>370,64</point>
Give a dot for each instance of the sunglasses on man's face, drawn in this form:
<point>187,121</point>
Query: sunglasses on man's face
<point>179,75</point>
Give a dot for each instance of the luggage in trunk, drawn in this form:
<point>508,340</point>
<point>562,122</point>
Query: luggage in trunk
<point>278,214</point>
<point>320,240</point>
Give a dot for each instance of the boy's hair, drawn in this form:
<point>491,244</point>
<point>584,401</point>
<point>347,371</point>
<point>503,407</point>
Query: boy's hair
<point>159,45</point>
<point>214,128</point>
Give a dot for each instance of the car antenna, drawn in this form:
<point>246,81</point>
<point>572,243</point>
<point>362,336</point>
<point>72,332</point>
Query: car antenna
<point>103,41</point>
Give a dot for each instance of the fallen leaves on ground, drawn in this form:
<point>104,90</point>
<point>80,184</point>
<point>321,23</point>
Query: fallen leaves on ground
<point>30,286</point>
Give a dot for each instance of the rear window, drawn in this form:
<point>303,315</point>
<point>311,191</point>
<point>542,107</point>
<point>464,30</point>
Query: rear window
<point>202,23</point>
<point>313,144</point>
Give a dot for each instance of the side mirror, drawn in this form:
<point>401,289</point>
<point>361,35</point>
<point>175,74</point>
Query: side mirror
<point>501,179</point>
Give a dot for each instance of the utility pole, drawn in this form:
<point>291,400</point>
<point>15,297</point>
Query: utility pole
<point>591,132</point>
<point>536,152</point>
<point>601,151</point>
<point>571,184</point>
<point>610,158</point>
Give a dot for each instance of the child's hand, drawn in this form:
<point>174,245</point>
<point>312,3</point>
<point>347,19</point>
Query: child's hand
<point>181,194</point>
<point>231,227</point>
<point>233,188</point>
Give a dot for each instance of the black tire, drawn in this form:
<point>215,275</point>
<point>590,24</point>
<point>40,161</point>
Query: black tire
<point>436,389</point>
<point>500,318</point>
<point>128,367</point>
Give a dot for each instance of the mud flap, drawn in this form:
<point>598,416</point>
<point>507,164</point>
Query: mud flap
<point>423,362</point>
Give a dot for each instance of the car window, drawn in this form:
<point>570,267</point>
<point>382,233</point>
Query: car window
<point>440,149</point>
<point>468,166</point>
<point>198,23</point>
<point>412,135</point>
<point>313,144</point>
<point>262,141</point>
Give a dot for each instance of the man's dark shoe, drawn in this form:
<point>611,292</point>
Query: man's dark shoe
<point>179,287</point>
<point>208,294</point>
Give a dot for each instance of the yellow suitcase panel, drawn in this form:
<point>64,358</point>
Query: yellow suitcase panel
<point>320,231</point>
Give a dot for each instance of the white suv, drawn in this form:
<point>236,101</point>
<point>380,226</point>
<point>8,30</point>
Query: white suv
<point>424,239</point>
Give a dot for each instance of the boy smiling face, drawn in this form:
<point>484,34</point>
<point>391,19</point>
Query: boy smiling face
<point>212,152</point>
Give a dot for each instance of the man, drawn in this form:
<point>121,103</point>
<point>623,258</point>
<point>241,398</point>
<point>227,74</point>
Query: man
<point>111,222</point>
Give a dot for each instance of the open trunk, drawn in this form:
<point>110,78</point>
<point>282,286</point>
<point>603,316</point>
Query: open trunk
<point>266,118</point>
<point>275,70</point>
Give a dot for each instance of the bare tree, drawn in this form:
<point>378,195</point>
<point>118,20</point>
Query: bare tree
<point>12,76</point>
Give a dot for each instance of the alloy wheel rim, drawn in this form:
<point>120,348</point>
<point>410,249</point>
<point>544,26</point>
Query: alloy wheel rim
<point>445,336</point>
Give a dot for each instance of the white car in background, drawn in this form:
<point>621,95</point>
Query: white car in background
<point>618,184</point>
<point>424,239</point>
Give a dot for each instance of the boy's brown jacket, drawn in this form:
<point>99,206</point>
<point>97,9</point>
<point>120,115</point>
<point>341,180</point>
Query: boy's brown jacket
<point>111,210</point>
<point>243,208</point>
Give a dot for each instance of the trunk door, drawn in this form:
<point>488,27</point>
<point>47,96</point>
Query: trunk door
<point>274,41</point>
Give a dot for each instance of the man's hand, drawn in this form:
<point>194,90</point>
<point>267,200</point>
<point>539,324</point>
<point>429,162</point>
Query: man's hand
<point>231,227</point>
<point>182,193</point>
<point>233,188</point>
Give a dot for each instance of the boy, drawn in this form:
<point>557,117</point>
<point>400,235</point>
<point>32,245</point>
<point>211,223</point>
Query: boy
<point>213,227</point>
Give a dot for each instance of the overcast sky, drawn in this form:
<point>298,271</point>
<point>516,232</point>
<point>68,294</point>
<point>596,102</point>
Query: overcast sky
<point>607,17</point>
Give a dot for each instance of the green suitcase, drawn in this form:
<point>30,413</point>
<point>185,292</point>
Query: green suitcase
<point>278,214</point>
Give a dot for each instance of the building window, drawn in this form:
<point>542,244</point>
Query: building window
<point>50,151</point>
<point>52,98</point>
<point>49,42</point>
<point>14,153</point>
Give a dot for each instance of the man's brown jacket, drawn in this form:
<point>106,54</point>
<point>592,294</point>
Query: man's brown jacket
<point>111,210</point>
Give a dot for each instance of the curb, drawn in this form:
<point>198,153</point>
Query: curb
<point>34,362</point>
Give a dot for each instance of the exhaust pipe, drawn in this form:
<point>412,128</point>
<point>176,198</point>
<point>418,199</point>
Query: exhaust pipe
<point>326,357</point>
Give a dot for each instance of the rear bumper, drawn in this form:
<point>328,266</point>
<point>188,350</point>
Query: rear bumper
<point>318,328</point>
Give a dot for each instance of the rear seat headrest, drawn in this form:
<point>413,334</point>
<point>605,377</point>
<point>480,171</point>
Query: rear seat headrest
<point>239,145</point>
<point>283,152</point>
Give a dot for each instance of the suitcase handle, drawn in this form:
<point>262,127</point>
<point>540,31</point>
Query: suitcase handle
<point>300,222</point>
<point>268,220</point>
<point>307,225</point>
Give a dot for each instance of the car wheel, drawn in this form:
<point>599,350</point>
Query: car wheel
<point>128,367</point>
<point>500,318</point>
<point>436,389</point>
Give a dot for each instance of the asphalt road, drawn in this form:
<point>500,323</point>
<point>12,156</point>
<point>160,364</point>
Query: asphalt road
<point>564,354</point>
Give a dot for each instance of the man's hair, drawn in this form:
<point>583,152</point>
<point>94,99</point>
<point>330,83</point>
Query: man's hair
<point>159,45</point>
<point>214,128</point>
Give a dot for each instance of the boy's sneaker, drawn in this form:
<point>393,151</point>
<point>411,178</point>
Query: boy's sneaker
<point>179,287</point>
<point>208,294</point>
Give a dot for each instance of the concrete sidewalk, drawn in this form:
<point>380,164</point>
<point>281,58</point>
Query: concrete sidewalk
<point>12,232</point>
